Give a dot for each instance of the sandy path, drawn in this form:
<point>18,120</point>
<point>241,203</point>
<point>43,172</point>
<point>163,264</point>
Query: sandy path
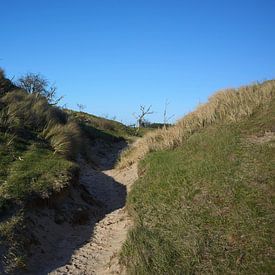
<point>99,254</point>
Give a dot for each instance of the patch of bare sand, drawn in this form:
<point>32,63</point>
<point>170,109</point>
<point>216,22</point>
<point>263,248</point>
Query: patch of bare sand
<point>99,254</point>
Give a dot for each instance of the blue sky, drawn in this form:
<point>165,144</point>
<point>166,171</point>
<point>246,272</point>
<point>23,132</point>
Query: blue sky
<point>113,55</point>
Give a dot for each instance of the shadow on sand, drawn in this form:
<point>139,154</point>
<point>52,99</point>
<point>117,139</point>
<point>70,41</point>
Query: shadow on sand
<point>58,231</point>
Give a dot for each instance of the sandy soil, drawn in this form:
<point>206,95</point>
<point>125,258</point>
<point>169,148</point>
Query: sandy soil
<point>99,254</point>
<point>83,231</point>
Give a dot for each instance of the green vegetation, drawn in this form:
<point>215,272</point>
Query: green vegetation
<point>207,206</point>
<point>98,127</point>
<point>38,171</point>
<point>37,142</point>
<point>204,202</point>
<point>226,106</point>
<point>39,146</point>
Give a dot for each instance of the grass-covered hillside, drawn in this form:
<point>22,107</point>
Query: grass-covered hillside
<point>204,203</point>
<point>38,144</point>
<point>39,147</point>
<point>96,127</point>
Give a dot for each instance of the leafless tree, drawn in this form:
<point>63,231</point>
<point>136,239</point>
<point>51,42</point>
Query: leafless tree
<point>166,118</point>
<point>37,84</point>
<point>81,107</point>
<point>141,116</point>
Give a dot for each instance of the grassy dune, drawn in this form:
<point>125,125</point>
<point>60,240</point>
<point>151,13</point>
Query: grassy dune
<point>39,141</point>
<point>226,106</point>
<point>204,202</point>
<point>39,146</point>
<point>36,140</point>
<point>95,127</point>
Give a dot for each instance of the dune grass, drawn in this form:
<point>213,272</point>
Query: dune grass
<point>102,128</point>
<point>38,144</point>
<point>32,113</point>
<point>226,106</point>
<point>39,147</point>
<point>207,205</point>
<point>38,171</point>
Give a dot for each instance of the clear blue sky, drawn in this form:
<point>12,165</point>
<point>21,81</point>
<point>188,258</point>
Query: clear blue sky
<point>113,55</point>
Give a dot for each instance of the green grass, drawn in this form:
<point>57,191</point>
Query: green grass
<point>225,106</point>
<point>207,206</point>
<point>38,172</point>
<point>39,146</point>
<point>101,128</point>
<point>28,172</point>
<point>30,169</point>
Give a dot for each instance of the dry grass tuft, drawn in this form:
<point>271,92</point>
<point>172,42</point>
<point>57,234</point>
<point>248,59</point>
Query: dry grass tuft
<point>64,139</point>
<point>229,105</point>
<point>32,112</point>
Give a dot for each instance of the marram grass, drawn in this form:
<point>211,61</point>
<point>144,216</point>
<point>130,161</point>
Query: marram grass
<point>226,106</point>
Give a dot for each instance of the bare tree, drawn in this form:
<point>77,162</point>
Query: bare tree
<point>37,84</point>
<point>81,107</point>
<point>141,116</point>
<point>166,118</point>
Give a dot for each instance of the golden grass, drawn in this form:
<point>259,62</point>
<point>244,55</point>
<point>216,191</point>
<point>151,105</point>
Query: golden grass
<point>32,111</point>
<point>64,139</point>
<point>230,105</point>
